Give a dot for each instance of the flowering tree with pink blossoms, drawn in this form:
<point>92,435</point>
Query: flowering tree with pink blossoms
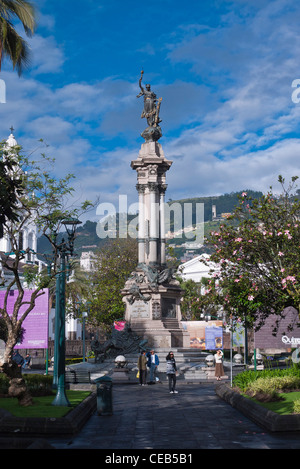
<point>257,251</point>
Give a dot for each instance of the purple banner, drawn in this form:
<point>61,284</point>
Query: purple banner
<point>36,323</point>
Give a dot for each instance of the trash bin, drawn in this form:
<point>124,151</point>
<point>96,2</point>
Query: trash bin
<point>104,395</point>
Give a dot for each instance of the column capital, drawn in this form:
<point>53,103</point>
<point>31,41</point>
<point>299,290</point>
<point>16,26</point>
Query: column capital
<point>152,186</point>
<point>141,188</point>
<point>162,188</point>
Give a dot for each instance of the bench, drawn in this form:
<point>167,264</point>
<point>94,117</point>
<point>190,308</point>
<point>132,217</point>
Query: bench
<point>70,376</point>
<point>77,376</point>
<point>82,376</point>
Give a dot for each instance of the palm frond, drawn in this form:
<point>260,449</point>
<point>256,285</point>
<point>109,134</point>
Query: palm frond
<point>21,9</point>
<point>12,44</point>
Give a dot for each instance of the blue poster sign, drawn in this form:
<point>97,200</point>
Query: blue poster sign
<point>213,338</point>
<point>238,336</point>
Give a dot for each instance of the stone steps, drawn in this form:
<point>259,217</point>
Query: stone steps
<point>190,362</point>
<point>185,358</point>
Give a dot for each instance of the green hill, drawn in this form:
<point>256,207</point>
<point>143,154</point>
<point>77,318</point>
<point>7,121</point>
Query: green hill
<point>88,240</point>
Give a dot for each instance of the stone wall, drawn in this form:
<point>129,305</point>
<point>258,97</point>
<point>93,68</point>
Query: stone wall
<point>286,337</point>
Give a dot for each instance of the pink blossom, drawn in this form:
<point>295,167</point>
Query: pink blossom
<point>280,254</point>
<point>289,278</point>
<point>244,194</point>
<point>238,240</point>
<point>250,297</point>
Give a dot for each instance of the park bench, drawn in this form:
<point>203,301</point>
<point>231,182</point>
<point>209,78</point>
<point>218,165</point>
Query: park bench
<point>77,376</point>
<point>70,376</point>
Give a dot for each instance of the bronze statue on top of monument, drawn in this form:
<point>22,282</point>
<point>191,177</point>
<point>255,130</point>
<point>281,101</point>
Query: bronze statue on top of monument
<point>150,112</point>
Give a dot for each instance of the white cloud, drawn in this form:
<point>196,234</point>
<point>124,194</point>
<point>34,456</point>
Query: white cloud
<point>47,55</point>
<point>229,125</point>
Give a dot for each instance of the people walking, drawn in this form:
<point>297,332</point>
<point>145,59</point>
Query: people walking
<point>142,367</point>
<point>27,361</point>
<point>171,371</point>
<point>153,362</point>
<point>219,369</point>
<point>18,359</point>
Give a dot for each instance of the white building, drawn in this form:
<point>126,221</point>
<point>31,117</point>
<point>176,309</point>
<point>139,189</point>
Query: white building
<point>73,327</point>
<point>196,268</point>
<point>87,260</point>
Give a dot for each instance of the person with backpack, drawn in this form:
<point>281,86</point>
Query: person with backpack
<point>171,371</point>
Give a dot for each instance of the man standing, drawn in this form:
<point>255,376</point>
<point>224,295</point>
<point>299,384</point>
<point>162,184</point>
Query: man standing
<point>142,367</point>
<point>152,364</point>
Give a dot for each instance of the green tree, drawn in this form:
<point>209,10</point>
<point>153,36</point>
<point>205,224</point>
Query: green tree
<point>12,45</point>
<point>113,265</point>
<point>10,189</point>
<point>77,288</point>
<point>257,254</point>
<point>45,201</point>
<point>190,300</point>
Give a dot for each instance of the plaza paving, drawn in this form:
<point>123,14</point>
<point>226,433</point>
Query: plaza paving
<point>151,418</point>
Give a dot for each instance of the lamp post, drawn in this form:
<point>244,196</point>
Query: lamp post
<point>65,249</point>
<point>84,315</point>
<point>49,261</point>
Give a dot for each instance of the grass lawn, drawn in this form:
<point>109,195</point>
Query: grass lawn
<point>283,407</point>
<point>42,406</point>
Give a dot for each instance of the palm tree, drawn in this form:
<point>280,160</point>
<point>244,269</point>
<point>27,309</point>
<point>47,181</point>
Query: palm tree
<point>12,44</point>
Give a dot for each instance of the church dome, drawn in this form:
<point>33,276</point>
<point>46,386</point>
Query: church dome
<point>11,141</point>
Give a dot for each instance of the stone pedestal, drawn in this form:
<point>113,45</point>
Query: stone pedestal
<point>152,296</point>
<point>158,318</point>
<point>120,375</point>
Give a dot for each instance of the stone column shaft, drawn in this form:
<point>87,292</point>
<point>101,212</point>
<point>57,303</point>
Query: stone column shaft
<point>162,228</point>
<point>141,232</point>
<point>154,224</point>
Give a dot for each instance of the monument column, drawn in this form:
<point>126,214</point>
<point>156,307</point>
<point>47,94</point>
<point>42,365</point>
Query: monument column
<point>141,232</point>
<point>162,190</point>
<point>152,295</point>
<point>153,224</point>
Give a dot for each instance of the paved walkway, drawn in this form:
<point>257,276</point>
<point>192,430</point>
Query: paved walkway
<point>151,418</point>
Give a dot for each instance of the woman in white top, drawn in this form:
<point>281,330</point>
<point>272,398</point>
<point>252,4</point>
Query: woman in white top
<point>219,370</point>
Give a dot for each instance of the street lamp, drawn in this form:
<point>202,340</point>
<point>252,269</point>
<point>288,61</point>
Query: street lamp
<point>64,249</point>
<point>84,315</point>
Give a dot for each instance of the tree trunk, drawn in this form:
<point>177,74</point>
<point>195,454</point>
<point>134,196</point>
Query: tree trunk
<point>17,386</point>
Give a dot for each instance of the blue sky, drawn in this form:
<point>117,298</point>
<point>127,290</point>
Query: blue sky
<point>224,70</point>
